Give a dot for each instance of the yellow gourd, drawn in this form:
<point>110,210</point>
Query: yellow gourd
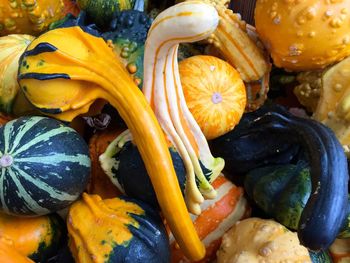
<point>256,240</point>
<point>64,71</point>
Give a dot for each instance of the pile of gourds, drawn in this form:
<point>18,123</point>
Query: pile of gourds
<point>136,131</point>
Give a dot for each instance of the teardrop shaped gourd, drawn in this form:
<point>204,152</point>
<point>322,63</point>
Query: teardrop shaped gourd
<point>37,238</point>
<point>214,93</point>
<point>68,71</point>
<point>11,48</point>
<point>29,17</point>
<point>116,230</point>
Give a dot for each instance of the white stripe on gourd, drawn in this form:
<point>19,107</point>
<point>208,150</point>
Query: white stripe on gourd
<point>29,201</point>
<point>188,22</point>
<point>56,159</point>
<point>53,192</point>
<point>2,188</point>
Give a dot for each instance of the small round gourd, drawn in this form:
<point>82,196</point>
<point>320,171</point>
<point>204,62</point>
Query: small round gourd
<point>37,238</point>
<point>44,164</point>
<point>214,93</point>
<point>116,230</point>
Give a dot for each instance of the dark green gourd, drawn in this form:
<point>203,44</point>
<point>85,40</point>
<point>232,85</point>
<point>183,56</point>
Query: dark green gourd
<point>45,166</point>
<point>325,210</point>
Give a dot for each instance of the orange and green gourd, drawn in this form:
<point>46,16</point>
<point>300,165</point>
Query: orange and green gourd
<point>214,93</point>
<point>64,71</point>
<point>9,254</point>
<point>28,16</point>
<point>116,230</point>
<point>37,238</point>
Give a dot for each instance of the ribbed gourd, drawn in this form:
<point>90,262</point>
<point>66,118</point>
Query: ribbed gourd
<point>29,16</point>
<point>37,238</point>
<point>11,48</point>
<point>217,217</point>
<point>214,93</point>
<point>45,166</point>
<point>61,64</point>
<point>116,230</point>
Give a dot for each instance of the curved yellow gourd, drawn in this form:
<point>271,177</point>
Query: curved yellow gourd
<point>184,22</point>
<point>64,71</point>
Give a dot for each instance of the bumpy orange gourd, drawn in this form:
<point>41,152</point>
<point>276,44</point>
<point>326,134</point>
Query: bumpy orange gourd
<point>28,16</point>
<point>214,93</point>
<point>304,35</point>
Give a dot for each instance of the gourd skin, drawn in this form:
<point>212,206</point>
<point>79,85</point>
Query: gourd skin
<point>329,174</point>
<point>9,254</point>
<point>11,48</point>
<point>81,59</point>
<point>292,30</point>
<point>116,230</point>
<point>28,17</point>
<point>214,93</point>
<point>45,166</point>
<point>129,174</point>
<point>37,238</point>
<point>257,240</point>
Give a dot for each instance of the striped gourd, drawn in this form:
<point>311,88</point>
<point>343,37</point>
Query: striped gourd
<point>44,165</point>
<point>218,216</point>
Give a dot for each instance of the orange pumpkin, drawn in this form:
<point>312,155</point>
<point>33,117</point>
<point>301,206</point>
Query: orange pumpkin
<point>214,93</point>
<point>217,217</point>
<point>99,183</point>
<point>28,16</point>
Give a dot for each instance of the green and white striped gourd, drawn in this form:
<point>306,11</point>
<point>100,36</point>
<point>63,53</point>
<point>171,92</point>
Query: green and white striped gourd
<point>44,166</point>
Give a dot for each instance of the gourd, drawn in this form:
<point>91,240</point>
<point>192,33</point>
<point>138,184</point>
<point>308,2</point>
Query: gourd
<point>29,17</point>
<point>45,166</point>
<point>332,108</point>
<point>127,35</point>
<point>99,182</point>
<point>9,254</point>
<point>328,171</point>
<point>244,152</point>
<point>11,48</point>
<point>214,93</point>
<point>37,238</point>
<point>4,118</point>
<point>218,216</point>
<point>101,11</point>
<point>282,192</point>
<point>231,39</point>
<point>116,230</point>
<point>124,166</point>
<point>162,88</point>
<point>59,87</point>
<point>260,240</point>
<point>291,31</point>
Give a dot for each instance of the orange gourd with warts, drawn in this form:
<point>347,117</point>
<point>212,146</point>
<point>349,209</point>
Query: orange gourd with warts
<point>29,16</point>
